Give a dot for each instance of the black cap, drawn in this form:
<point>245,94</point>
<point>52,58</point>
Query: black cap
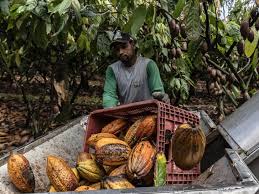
<point>121,37</point>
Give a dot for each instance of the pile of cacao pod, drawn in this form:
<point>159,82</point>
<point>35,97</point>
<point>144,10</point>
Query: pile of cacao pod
<point>123,157</point>
<point>219,79</point>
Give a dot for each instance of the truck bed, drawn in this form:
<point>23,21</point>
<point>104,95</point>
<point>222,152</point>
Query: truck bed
<point>228,174</point>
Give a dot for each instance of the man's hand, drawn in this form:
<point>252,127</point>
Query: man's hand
<point>161,97</point>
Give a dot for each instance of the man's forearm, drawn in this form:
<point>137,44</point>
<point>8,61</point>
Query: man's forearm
<point>109,101</point>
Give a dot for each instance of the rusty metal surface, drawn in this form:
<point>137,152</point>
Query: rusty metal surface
<point>243,125</point>
<point>67,144</point>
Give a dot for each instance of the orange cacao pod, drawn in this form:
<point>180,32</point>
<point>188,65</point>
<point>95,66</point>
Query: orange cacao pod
<point>120,171</point>
<point>141,160</point>
<point>115,126</point>
<point>20,173</point>
<point>61,175</point>
<point>188,146</point>
<point>141,128</point>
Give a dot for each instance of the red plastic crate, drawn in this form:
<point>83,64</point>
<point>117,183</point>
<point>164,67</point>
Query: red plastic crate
<point>168,118</point>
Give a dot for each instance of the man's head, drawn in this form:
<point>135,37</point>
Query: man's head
<point>124,47</point>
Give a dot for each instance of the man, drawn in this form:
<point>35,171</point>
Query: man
<point>132,78</point>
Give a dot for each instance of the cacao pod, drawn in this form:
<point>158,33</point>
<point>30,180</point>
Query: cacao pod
<point>84,182</point>
<point>240,47</point>
<point>95,137</point>
<point>60,174</point>
<point>115,126</point>
<point>76,173</point>
<point>141,160</point>
<point>130,136</point>
<point>188,146</point>
<point>97,186</point>
<point>147,126</point>
<point>178,53</point>
<point>82,156</point>
<point>84,188</point>
<point>257,24</point>
<point>116,182</point>
<point>108,169</point>
<point>253,13</point>
<point>20,173</point>
<point>89,170</point>
<point>52,189</point>
<point>244,29</point>
<point>204,47</point>
<point>173,52</point>
<point>120,171</point>
<point>160,170</point>
<point>172,25</point>
<point>251,36</point>
<point>112,152</point>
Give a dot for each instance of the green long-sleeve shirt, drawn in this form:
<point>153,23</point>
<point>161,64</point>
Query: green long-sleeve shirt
<point>131,84</point>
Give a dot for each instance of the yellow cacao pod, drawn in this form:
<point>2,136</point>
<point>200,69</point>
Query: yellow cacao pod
<point>76,173</point>
<point>20,173</point>
<point>52,189</point>
<point>96,137</point>
<point>60,174</point>
<point>117,182</point>
<point>97,186</point>
<point>84,188</point>
<point>89,170</point>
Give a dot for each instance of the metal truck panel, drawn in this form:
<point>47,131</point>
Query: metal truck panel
<point>65,142</point>
<point>243,125</point>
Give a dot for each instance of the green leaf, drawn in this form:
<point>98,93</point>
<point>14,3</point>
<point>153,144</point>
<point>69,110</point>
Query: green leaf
<point>165,52</point>
<point>178,8</point>
<point>41,10</point>
<point>251,46</point>
<point>40,34</point>
<point>233,30</point>
<point>164,4</point>
<point>76,6</point>
<point>193,23</point>
<point>151,12</point>
<point>235,91</point>
<point>136,20</point>
<point>17,59</point>
<point>31,4</point>
<point>4,6</point>
<point>62,24</point>
<point>193,47</point>
<point>62,7</point>
<point>213,20</point>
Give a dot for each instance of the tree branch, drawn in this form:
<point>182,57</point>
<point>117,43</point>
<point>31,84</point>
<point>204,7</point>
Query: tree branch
<point>205,5</point>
